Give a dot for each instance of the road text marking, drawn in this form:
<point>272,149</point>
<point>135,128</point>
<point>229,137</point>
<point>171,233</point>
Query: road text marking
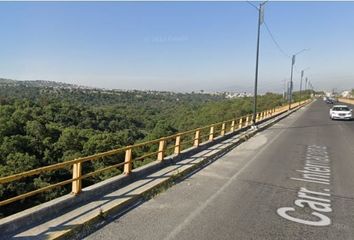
<point>316,170</point>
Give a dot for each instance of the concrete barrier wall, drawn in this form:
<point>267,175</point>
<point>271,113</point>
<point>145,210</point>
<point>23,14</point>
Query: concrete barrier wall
<point>346,100</point>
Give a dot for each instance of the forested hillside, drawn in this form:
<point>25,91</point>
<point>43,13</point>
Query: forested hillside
<point>40,126</point>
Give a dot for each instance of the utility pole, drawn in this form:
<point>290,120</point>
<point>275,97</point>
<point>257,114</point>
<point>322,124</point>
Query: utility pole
<point>260,21</point>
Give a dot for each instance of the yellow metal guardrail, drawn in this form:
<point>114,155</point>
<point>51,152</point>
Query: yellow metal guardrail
<point>346,100</point>
<point>174,144</point>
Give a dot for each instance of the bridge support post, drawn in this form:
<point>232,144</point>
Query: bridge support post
<point>162,147</point>
<point>128,161</point>
<point>232,126</point>
<point>196,138</point>
<point>76,184</point>
<point>223,126</point>
<point>240,122</point>
<point>178,145</point>
<point>211,134</point>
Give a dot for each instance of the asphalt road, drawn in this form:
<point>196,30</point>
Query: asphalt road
<point>252,192</point>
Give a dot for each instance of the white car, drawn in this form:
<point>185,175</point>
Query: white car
<point>341,112</point>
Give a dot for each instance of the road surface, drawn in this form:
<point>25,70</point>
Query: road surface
<point>294,180</point>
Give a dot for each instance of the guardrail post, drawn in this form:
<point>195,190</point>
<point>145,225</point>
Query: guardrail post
<point>196,138</point>
<point>232,126</point>
<point>162,147</point>
<point>247,121</point>
<point>76,184</point>
<point>223,126</point>
<point>211,134</point>
<point>240,122</point>
<point>178,145</point>
<point>128,161</point>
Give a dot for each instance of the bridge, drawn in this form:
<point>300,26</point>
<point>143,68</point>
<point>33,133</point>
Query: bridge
<point>291,178</point>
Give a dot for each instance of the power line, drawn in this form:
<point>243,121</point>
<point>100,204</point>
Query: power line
<point>275,41</point>
<point>270,32</point>
<point>252,5</point>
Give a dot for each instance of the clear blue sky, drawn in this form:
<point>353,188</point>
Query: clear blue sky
<point>180,46</point>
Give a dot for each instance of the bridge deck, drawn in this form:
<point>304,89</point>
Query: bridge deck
<point>238,196</point>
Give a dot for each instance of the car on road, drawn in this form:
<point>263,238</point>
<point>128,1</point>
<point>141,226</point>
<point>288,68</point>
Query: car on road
<point>330,100</point>
<point>341,112</point>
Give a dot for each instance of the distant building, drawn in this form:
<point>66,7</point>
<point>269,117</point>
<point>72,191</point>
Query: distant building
<point>346,94</point>
<point>237,95</point>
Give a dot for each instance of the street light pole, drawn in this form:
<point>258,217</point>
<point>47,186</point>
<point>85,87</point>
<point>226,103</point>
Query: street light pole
<point>291,77</point>
<point>260,21</point>
<point>302,75</point>
<point>291,80</point>
<point>285,88</point>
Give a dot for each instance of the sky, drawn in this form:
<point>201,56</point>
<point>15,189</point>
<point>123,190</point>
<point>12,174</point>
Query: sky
<point>177,46</point>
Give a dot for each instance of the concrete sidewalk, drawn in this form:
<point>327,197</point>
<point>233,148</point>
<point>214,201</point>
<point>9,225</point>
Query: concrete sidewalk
<point>75,219</point>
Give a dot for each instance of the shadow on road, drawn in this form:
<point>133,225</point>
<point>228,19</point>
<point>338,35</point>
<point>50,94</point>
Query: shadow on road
<point>336,123</point>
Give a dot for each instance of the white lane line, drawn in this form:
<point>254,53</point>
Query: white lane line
<point>201,207</point>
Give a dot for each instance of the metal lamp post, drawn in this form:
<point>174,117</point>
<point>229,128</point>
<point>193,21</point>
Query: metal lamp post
<point>302,75</point>
<point>291,76</point>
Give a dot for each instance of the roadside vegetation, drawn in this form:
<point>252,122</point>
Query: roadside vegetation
<point>40,126</point>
